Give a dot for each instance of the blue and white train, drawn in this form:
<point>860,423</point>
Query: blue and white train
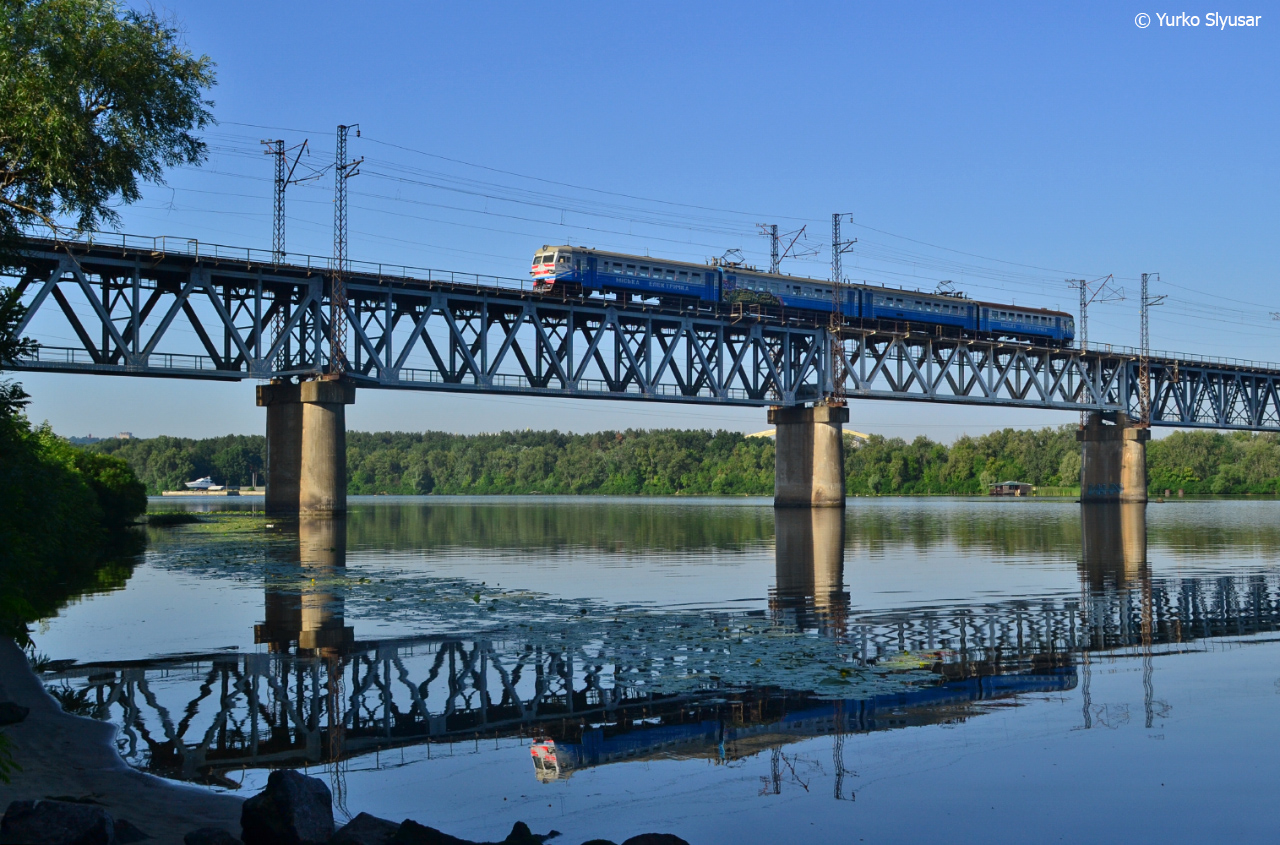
<point>580,269</point>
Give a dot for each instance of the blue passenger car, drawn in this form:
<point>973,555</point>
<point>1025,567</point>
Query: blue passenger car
<point>914,307</point>
<point>593,270</point>
<point>792,291</point>
<point>583,270</point>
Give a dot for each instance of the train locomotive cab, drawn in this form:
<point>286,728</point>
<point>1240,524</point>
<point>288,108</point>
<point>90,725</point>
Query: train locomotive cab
<point>552,264</point>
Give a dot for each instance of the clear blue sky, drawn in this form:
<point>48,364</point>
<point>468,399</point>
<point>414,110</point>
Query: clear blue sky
<point>1053,141</point>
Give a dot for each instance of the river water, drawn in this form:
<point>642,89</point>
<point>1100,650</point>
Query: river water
<point>967,670</point>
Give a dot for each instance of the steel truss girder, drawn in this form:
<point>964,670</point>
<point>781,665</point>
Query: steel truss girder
<point>154,313</point>
<point>1185,393</point>
<point>499,342</point>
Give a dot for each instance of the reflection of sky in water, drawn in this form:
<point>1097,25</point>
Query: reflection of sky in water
<point>998,772</point>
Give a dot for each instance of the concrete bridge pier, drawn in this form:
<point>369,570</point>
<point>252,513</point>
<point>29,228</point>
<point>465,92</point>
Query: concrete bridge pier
<point>809,456</point>
<point>1113,459</point>
<point>284,446</point>
<point>323,487</point>
<point>307,446</point>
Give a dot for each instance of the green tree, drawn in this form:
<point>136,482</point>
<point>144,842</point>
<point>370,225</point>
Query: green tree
<point>94,97</point>
<point>12,397</point>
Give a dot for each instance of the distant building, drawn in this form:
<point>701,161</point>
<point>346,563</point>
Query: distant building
<point>125,435</point>
<point>1011,488</point>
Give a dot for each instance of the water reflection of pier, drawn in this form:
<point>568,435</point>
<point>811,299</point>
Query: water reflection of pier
<point>318,693</point>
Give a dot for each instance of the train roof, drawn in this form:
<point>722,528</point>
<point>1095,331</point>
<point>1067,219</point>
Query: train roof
<point>627,256</point>
<point>1022,308</point>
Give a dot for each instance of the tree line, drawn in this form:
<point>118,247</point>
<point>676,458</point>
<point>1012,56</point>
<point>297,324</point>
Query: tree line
<point>695,462</point>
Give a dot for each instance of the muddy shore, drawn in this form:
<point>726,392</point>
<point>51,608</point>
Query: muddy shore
<point>65,756</point>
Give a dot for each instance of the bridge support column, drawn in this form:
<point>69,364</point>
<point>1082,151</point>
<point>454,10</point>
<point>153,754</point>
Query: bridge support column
<point>307,446</point>
<point>284,446</point>
<point>1113,460</point>
<point>323,487</point>
<point>809,456</point>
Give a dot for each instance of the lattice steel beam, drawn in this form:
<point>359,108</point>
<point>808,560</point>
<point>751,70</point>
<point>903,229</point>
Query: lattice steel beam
<point>159,307</point>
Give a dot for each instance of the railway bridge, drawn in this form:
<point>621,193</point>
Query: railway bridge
<point>315,334</point>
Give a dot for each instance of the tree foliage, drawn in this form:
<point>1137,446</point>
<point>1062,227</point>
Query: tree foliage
<point>891,466</point>
<point>12,397</point>
<point>676,462</point>
<point>93,98</point>
<point>62,512</point>
<point>166,463</point>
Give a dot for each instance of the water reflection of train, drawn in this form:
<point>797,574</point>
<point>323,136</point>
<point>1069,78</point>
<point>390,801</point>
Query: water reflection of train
<point>579,269</point>
<point>727,729</point>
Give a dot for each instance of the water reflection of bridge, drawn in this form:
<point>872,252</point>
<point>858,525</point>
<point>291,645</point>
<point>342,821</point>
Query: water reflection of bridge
<point>318,693</point>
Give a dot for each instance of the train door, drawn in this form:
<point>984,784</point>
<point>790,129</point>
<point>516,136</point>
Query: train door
<point>850,305</point>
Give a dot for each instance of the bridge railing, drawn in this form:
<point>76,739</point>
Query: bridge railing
<point>584,385</point>
<point>1181,357</point>
<point>54,355</point>
<point>203,250</point>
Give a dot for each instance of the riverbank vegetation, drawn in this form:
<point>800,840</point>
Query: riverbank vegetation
<point>691,462</point>
<point>63,518</point>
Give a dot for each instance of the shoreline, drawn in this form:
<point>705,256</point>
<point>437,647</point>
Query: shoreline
<point>66,756</point>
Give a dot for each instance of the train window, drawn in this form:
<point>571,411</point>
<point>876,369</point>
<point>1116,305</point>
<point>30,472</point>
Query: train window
<point>683,275</point>
<point>631,269</point>
<point>643,271</point>
<point>564,259</point>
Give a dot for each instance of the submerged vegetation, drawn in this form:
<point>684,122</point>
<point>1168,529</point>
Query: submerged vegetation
<point>690,462</point>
